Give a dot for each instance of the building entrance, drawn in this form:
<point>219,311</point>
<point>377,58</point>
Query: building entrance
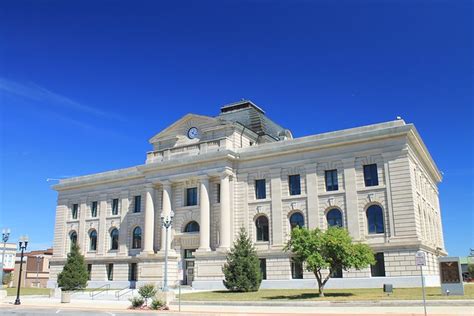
<point>188,266</point>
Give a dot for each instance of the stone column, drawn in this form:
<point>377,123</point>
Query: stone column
<point>166,210</point>
<point>205,211</point>
<point>224,231</point>
<point>352,212</point>
<point>149,220</point>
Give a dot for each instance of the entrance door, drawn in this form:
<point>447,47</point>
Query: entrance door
<point>188,266</point>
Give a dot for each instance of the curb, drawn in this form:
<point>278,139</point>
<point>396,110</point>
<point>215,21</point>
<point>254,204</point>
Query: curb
<point>331,303</point>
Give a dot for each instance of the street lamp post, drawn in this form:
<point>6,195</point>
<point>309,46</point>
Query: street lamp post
<point>5,236</point>
<point>166,220</point>
<point>23,243</point>
<point>38,260</point>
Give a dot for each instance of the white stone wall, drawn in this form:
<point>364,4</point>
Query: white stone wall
<point>407,193</point>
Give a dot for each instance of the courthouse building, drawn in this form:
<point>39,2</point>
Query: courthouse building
<point>241,169</point>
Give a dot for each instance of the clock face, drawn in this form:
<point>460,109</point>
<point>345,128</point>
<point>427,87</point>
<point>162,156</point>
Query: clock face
<point>192,132</point>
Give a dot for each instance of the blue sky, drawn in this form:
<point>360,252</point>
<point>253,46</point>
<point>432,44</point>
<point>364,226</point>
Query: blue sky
<point>84,85</point>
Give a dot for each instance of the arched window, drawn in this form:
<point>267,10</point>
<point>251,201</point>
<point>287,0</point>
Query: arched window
<point>261,224</point>
<point>334,218</point>
<point>137,238</point>
<point>375,219</point>
<point>191,227</point>
<point>93,240</point>
<point>73,237</point>
<point>296,220</point>
<point>114,236</point>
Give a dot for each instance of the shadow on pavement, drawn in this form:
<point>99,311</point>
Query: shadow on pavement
<point>305,296</point>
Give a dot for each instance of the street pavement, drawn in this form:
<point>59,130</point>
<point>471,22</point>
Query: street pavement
<point>50,306</point>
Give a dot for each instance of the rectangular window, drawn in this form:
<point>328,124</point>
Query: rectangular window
<point>94,209</point>
<point>115,206</point>
<point>294,184</point>
<point>296,270</point>
<point>371,177</point>
<point>110,271</point>
<point>337,274</point>
<point>89,271</point>
<point>138,204</point>
<point>331,180</point>
<point>75,208</point>
<point>263,268</point>
<point>378,269</point>
<point>191,196</point>
<point>189,253</point>
<point>260,189</point>
<point>218,188</point>
<point>132,272</point>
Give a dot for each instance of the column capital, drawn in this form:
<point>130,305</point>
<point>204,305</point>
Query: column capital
<point>348,162</point>
<point>275,172</point>
<point>203,177</point>
<point>166,183</point>
<point>149,186</point>
<point>226,173</point>
<point>311,167</point>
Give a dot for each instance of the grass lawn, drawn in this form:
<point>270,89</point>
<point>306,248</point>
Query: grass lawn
<point>11,291</point>
<point>432,293</point>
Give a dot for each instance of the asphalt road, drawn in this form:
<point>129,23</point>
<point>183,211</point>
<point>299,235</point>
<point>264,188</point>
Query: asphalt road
<point>101,309</point>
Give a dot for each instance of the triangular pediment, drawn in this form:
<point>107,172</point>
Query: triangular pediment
<point>180,128</point>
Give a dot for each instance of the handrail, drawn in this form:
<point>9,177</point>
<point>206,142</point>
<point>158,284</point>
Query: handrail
<point>101,289</point>
<point>118,294</point>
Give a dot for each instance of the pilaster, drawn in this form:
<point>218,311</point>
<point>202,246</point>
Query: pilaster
<point>350,182</point>
<point>102,231</point>
<point>312,196</point>
<point>276,225</point>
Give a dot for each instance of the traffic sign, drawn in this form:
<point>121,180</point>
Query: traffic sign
<point>420,258</point>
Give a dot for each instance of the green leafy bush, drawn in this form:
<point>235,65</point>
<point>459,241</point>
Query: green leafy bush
<point>242,269</point>
<point>147,291</point>
<point>156,304</point>
<point>7,278</point>
<point>137,301</point>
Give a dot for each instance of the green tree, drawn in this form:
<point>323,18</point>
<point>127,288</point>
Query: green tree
<point>329,250</point>
<point>242,269</point>
<point>74,275</point>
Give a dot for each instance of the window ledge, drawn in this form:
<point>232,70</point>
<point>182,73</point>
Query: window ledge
<point>89,219</point>
<point>293,197</point>
<point>255,201</point>
<point>329,193</point>
<point>113,216</point>
<point>367,189</point>
<point>71,221</point>
<point>184,208</point>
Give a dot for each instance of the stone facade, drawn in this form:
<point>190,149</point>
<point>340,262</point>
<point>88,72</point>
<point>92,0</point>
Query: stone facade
<point>204,170</point>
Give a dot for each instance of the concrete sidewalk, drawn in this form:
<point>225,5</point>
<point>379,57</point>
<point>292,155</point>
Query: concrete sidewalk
<point>247,308</point>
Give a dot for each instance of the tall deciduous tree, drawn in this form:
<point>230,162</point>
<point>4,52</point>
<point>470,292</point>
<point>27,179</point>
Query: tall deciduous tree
<point>74,275</point>
<point>242,269</point>
<point>329,250</point>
